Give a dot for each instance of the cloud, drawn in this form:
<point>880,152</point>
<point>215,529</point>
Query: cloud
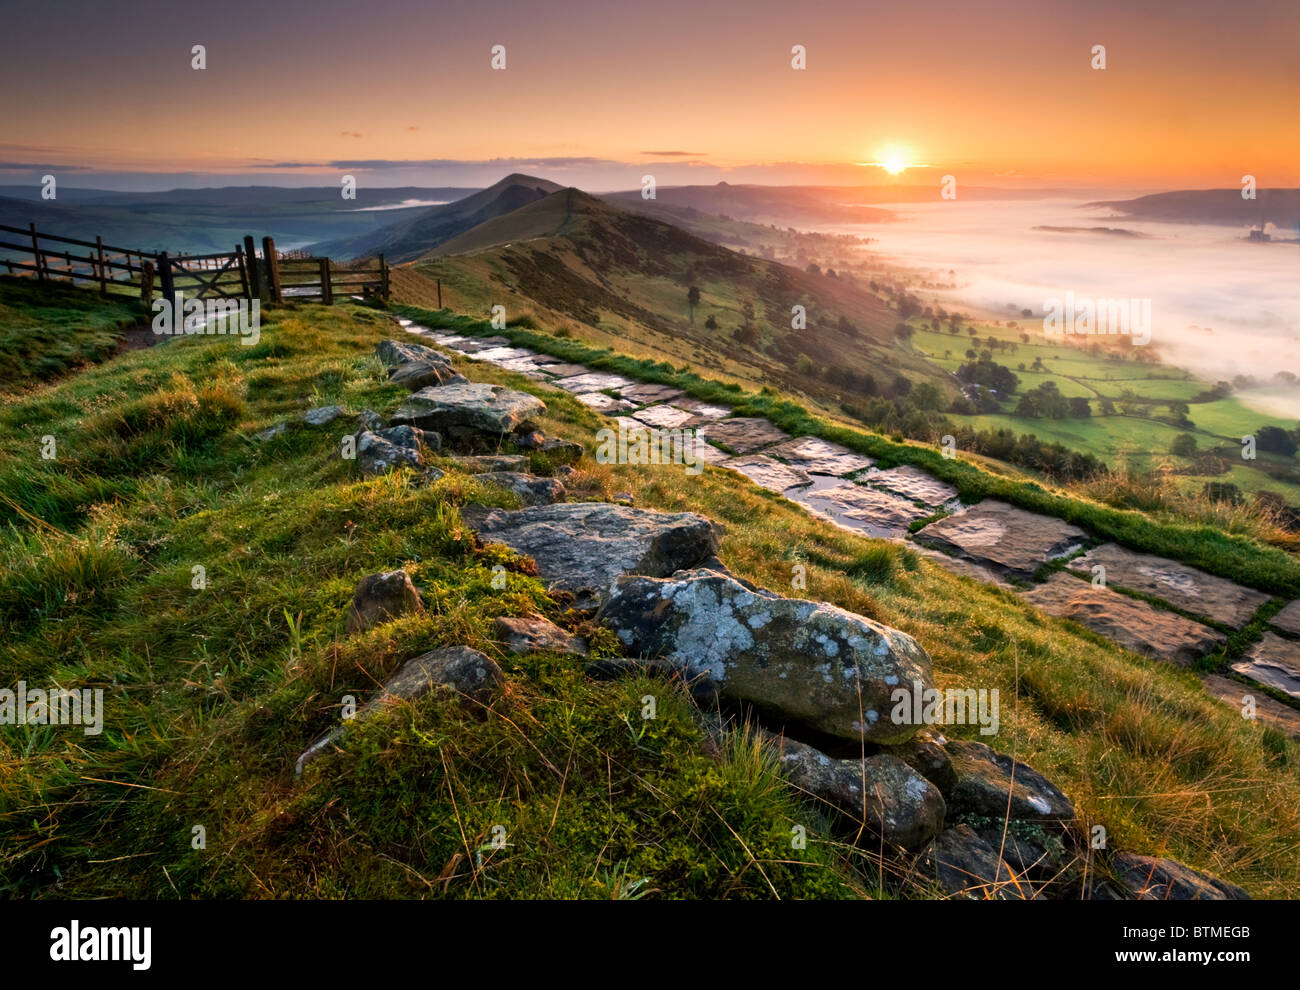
<point>351,134</point>
<point>514,163</point>
<point>678,154</point>
<point>40,167</point>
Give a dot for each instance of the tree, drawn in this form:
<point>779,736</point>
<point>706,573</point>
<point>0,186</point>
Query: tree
<point>1184,445</point>
<point>1079,407</point>
<point>813,270</point>
<point>693,300</point>
<point>903,332</point>
<point>926,397</point>
<point>1275,440</point>
<point>711,323</point>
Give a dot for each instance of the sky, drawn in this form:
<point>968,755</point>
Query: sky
<point>1195,94</point>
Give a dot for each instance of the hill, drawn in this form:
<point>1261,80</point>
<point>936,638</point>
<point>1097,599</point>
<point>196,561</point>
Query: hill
<point>415,236</point>
<point>1224,207</point>
<point>627,277</point>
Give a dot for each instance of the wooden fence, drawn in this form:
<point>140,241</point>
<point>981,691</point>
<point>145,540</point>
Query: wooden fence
<point>228,275</point>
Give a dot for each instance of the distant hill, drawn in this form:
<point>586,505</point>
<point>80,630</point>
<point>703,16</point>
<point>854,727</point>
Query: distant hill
<point>1224,207</point>
<point>416,235</point>
<point>627,276</point>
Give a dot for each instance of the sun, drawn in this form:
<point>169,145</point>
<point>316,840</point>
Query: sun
<point>894,160</point>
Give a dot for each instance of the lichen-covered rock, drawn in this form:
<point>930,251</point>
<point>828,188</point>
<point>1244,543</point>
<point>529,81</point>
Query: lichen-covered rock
<point>985,779</point>
<point>322,415</point>
<point>474,408</point>
<point>399,352</point>
<point>882,793</point>
<point>809,662</point>
<point>534,634</point>
<point>966,866</point>
<point>925,753</point>
<point>381,597</point>
<point>583,547</point>
<point>397,446</point>
<point>531,489</point>
<point>1150,879</point>
<point>420,374</point>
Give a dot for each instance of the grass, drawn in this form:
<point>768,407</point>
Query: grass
<point>559,789</point>
<point>1231,555</point>
<point>48,331</point>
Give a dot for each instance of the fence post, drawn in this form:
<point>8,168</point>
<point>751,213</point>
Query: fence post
<point>272,270</point>
<point>243,272</point>
<point>383,278</point>
<point>36,254</point>
<point>326,290</point>
<point>146,281</point>
<point>254,270</point>
<point>167,284</point>
<point>440,293</point>
<point>103,277</point>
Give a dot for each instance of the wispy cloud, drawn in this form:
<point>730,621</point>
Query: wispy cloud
<point>677,154</point>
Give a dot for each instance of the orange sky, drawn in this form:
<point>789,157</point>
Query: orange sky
<point>1194,94</point>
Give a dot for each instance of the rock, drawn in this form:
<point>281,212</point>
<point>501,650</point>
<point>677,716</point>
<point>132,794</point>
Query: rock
<point>966,866</point>
<point>767,473</point>
<point>1288,620</point>
<point>531,489</point>
<point>476,408</point>
<point>1040,857</point>
<point>1132,624</point>
<point>381,598</point>
<point>562,451</point>
<point>1181,586</point>
<point>271,432</point>
<point>1267,711</point>
<point>1008,540</point>
<point>583,547</point>
<point>1150,879</point>
<point>808,662</point>
<point>911,482</point>
<point>664,417</point>
<point>368,419</point>
<point>702,409</point>
<point>817,456</point>
<point>457,670</point>
<point>743,435</point>
<point>322,415</point>
<point>594,381</point>
<point>395,447</point>
<point>984,779</point>
<point>501,355</point>
<point>925,754</point>
<point>882,793</point>
<point>476,345</point>
<point>399,352</point>
<point>421,374</point>
<point>603,403</point>
<point>535,634</point>
<point>963,568</point>
<point>492,462</point>
<point>567,370</point>
<point>645,393</point>
<point>623,498</point>
<point>1273,661</point>
<point>531,440</point>
<point>860,509</point>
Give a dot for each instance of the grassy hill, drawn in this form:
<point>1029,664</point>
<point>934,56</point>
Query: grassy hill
<point>614,275</point>
<point>212,693</point>
<point>415,236</point>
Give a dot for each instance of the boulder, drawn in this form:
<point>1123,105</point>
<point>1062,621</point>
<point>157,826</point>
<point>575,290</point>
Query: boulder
<point>399,352</point>
<point>966,866</point>
<point>531,489</point>
<point>881,793</point>
<point>1039,856</point>
<point>534,634</point>
<point>474,408</point>
<point>322,415</point>
<point>925,754</point>
<point>583,547</point>
<point>421,374</point>
<point>485,463</point>
<point>562,451</point>
<point>1181,586</point>
<point>1008,540</point>
<point>381,597</point>
<point>1150,879</point>
<point>456,670</point>
<point>1127,621</point>
<point>397,446</point>
<point>808,662</point>
<point>993,785</point>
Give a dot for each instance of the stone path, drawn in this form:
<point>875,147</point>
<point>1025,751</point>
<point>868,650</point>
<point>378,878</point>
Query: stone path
<point>991,542</point>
